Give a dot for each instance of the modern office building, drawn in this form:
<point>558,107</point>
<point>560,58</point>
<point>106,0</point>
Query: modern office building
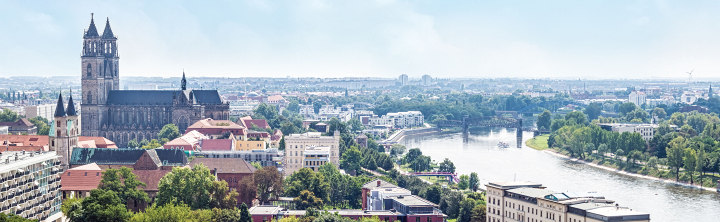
<point>399,120</point>
<point>267,157</point>
<point>637,98</point>
<point>30,185</point>
<point>296,144</point>
<point>531,202</point>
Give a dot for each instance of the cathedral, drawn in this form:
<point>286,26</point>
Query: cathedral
<point>124,115</point>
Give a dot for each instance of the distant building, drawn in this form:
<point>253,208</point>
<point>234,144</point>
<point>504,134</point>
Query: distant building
<point>375,192</point>
<point>4,130</point>
<point>399,120</point>
<point>20,127</point>
<point>44,110</point>
<point>267,157</point>
<point>647,131</point>
<point>189,142</point>
<point>524,201</point>
<point>218,128</point>
<point>427,80</point>
<point>403,80</point>
<point>690,97</point>
<point>362,140</point>
<point>296,144</point>
<point>315,156</point>
<point>31,185</point>
<point>307,111</point>
<point>637,98</point>
<point>77,182</point>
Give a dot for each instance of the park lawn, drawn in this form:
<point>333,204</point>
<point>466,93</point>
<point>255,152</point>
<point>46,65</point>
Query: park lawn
<point>435,179</point>
<point>538,142</point>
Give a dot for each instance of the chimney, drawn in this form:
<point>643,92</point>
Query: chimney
<point>378,183</point>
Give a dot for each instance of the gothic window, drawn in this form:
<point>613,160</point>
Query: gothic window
<point>89,100</point>
<point>89,70</point>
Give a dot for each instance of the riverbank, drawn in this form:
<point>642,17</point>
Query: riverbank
<point>539,142</point>
<point>615,170</point>
<point>402,133</point>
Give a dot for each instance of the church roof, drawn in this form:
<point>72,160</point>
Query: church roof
<point>92,30</point>
<point>71,107</point>
<point>142,97</point>
<point>108,34</point>
<point>60,107</point>
<point>207,96</point>
<point>161,97</point>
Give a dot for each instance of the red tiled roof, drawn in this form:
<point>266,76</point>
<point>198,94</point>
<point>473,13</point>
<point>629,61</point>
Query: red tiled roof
<point>23,142</point>
<point>225,165</point>
<point>95,142</point>
<point>216,144</point>
<point>216,124</point>
<point>24,122</point>
<point>260,123</point>
<point>81,178</point>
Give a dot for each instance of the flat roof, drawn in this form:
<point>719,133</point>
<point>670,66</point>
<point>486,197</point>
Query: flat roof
<point>264,210</point>
<point>532,192</point>
<point>24,159</point>
<point>514,184</point>
<point>616,212</point>
<point>412,200</point>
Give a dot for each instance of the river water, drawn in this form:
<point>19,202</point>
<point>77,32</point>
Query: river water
<point>479,153</point>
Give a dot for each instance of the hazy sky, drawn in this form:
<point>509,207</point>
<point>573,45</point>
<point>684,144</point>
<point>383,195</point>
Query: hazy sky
<point>587,39</point>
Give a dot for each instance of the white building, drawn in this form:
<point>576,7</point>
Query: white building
<point>378,190</point>
<point>307,111</point>
<point>637,98</point>
<point>316,156</point>
<point>690,97</point>
<point>399,120</point>
<point>296,145</point>
<point>31,185</point>
<point>4,130</point>
<point>46,111</point>
<point>647,131</point>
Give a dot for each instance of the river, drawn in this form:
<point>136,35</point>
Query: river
<point>664,202</point>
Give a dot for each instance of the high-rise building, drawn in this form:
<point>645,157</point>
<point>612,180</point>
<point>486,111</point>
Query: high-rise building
<point>30,185</point>
<point>637,98</point>
<point>403,80</point>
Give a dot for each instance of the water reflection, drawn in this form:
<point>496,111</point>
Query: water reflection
<point>478,152</point>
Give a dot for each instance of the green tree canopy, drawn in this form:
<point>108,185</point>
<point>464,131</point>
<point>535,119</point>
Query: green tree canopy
<point>169,132</point>
<point>125,184</point>
<point>269,184</point>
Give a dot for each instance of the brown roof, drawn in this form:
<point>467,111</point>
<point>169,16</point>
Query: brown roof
<point>95,142</point>
<point>216,144</point>
<point>215,124</point>
<point>81,178</point>
<point>225,165</point>
<point>249,122</point>
<point>151,178</point>
<point>23,142</point>
<point>24,122</point>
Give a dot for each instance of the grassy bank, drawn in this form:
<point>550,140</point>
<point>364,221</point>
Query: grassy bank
<point>538,142</point>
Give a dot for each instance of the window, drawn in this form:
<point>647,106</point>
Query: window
<point>85,173</point>
<point>89,70</point>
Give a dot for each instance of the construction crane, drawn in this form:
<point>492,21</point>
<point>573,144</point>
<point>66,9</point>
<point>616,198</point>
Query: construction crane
<point>690,75</point>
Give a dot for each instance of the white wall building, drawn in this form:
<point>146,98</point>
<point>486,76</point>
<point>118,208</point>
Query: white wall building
<point>637,98</point>
<point>296,144</point>
<point>399,120</point>
<point>647,131</point>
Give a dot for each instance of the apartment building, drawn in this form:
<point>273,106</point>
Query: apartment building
<point>399,120</point>
<point>31,185</point>
<point>531,202</point>
<point>297,144</point>
<point>647,131</point>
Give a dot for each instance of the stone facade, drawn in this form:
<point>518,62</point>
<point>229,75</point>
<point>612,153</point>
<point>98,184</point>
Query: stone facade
<point>124,115</point>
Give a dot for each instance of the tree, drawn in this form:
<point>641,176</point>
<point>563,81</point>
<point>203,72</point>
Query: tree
<point>675,153</point>
<point>465,212</point>
<point>447,166</point>
<point>72,209</point>
<point>125,184</point>
<point>41,124</point>
<point>689,162</point>
<point>576,118</point>
<point>133,143</point>
<point>8,115</point>
<point>171,213</point>
<point>479,213</point>
<point>281,145</point>
<point>434,193</point>
<point>659,113</point>
<point>13,218</point>
<point>225,215</point>
<point>474,182</point>
<point>169,132</point>
<point>269,183</point>
<point>593,110</point>
<point>247,191</point>
<point>412,155</point>
<point>464,182</point>
<point>152,144</point>
<point>265,111</point>
<point>350,160</point>
<point>450,203</point>
<point>626,108</point>
<point>307,179</point>
<point>544,120</point>
<point>421,163</point>
<point>196,187</point>
<point>245,213</point>
<point>306,200</point>
<point>104,205</point>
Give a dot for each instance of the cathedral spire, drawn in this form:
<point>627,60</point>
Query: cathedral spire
<point>71,106</point>
<point>92,30</point>
<point>108,34</point>
<point>60,108</point>
<point>183,82</point>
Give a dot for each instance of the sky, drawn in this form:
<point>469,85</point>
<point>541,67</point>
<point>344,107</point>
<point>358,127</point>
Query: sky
<point>563,39</point>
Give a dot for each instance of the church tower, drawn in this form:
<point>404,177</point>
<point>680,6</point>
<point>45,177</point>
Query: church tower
<point>100,74</point>
<point>64,130</point>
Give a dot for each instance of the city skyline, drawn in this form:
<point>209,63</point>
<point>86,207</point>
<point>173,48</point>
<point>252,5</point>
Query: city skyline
<point>589,40</point>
